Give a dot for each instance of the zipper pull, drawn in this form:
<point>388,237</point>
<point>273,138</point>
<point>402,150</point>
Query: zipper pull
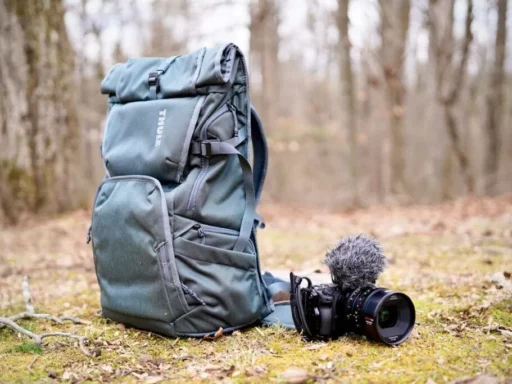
<point>233,112</point>
<point>187,291</point>
<point>89,237</point>
<point>200,231</point>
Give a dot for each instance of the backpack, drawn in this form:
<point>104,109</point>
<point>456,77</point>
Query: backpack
<point>174,221</point>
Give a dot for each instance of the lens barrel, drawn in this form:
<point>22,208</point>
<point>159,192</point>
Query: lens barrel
<point>380,314</point>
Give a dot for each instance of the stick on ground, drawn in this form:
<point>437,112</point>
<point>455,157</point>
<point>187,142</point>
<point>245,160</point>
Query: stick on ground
<point>30,314</point>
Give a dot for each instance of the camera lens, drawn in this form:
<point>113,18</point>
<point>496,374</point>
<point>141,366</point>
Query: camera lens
<point>380,314</point>
<point>388,316</point>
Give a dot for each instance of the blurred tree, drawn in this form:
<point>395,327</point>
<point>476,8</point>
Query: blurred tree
<point>394,26</point>
<point>495,97</point>
<point>450,78</point>
<point>347,100</point>
<point>264,49</point>
<point>15,182</point>
<point>168,28</point>
<point>46,66</point>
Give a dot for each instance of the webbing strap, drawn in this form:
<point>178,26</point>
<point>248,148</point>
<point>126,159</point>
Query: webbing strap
<point>223,148</point>
<point>195,148</point>
<point>260,150</point>
<point>153,77</point>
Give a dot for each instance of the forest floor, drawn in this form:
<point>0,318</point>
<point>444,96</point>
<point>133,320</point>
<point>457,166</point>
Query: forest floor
<point>454,260</point>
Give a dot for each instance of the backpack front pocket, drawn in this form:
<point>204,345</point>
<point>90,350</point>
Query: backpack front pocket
<point>133,253</point>
<point>151,137</point>
<point>226,282</point>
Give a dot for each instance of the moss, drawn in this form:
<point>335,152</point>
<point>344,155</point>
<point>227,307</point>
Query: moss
<point>445,277</point>
<point>27,347</point>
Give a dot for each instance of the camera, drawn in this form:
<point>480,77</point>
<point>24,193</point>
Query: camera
<point>352,304</point>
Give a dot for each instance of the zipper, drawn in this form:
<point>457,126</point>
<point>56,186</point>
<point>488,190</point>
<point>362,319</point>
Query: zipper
<point>188,291</point>
<point>163,260</point>
<point>212,229</point>
<point>200,232</point>
<point>232,109</point>
<point>265,296</point>
<point>89,234</point>
<point>205,164</point>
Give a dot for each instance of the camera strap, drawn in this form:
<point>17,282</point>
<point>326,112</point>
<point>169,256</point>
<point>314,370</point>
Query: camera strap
<point>297,307</point>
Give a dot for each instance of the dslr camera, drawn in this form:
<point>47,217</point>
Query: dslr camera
<point>352,303</point>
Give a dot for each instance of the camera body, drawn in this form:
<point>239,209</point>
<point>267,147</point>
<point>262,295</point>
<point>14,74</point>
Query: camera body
<point>328,311</point>
<point>321,310</point>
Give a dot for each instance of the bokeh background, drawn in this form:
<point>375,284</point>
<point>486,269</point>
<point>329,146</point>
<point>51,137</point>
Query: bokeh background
<point>364,102</point>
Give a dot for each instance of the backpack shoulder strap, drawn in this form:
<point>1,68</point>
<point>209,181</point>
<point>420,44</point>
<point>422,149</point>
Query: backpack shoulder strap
<point>260,150</point>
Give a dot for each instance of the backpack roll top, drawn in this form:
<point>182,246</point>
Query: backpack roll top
<point>173,223</point>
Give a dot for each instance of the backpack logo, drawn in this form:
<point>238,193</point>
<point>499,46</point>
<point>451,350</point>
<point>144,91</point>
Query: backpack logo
<point>160,127</point>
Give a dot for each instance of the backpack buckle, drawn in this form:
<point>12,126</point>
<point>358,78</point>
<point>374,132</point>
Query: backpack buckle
<point>152,78</point>
<point>206,149</point>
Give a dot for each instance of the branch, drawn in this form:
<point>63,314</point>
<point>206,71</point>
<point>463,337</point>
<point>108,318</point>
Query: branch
<point>25,287</point>
<point>30,314</point>
<point>461,70</point>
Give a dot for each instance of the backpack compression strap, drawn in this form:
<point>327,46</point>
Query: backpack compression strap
<point>253,180</point>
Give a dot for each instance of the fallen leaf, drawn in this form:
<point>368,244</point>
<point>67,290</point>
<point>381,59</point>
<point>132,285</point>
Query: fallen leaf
<point>219,333</point>
<point>107,368</point>
<point>480,379</point>
<point>295,375</point>
<point>153,379</point>
<point>52,374</point>
<point>315,346</point>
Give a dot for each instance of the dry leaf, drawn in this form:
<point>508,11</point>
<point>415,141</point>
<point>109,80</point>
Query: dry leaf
<point>480,379</point>
<point>295,375</point>
<point>153,379</point>
<point>219,333</point>
<point>315,346</point>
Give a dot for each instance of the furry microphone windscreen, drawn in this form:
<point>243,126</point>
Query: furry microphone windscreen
<point>355,261</point>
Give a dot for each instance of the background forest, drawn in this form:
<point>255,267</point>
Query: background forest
<point>365,102</point>
<point>391,118</point>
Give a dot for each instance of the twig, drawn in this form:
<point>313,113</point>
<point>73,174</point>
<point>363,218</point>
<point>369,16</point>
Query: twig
<point>81,339</point>
<point>25,287</point>
<point>20,329</point>
<point>30,314</point>
<point>32,363</point>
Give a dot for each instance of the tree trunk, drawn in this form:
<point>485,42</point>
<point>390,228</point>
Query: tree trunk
<point>47,89</point>
<point>393,29</point>
<point>264,49</point>
<point>449,75</point>
<point>348,106</point>
<point>495,102</point>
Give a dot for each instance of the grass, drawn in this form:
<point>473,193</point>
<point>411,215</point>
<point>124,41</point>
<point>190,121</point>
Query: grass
<point>464,321</point>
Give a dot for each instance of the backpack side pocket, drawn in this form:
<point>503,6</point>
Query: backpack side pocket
<point>134,255</point>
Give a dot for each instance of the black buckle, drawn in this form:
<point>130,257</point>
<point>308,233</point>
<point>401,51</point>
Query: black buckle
<point>153,79</point>
<point>206,149</point>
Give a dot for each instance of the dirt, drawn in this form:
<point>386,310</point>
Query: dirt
<point>453,259</point>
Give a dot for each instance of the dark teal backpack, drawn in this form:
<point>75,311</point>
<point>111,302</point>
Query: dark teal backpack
<point>174,221</point>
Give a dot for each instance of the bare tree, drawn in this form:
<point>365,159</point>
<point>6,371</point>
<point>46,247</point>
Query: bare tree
<point>165,38</point>
<point>393,31</point>
<point>449,74</point>
<point>348,104</point>
<point>264,45</point>
<point>495,101</point>
<point>15,181</point>
<point>45,73</point>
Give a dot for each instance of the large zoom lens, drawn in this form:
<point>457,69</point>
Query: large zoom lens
<point>380,314</point>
